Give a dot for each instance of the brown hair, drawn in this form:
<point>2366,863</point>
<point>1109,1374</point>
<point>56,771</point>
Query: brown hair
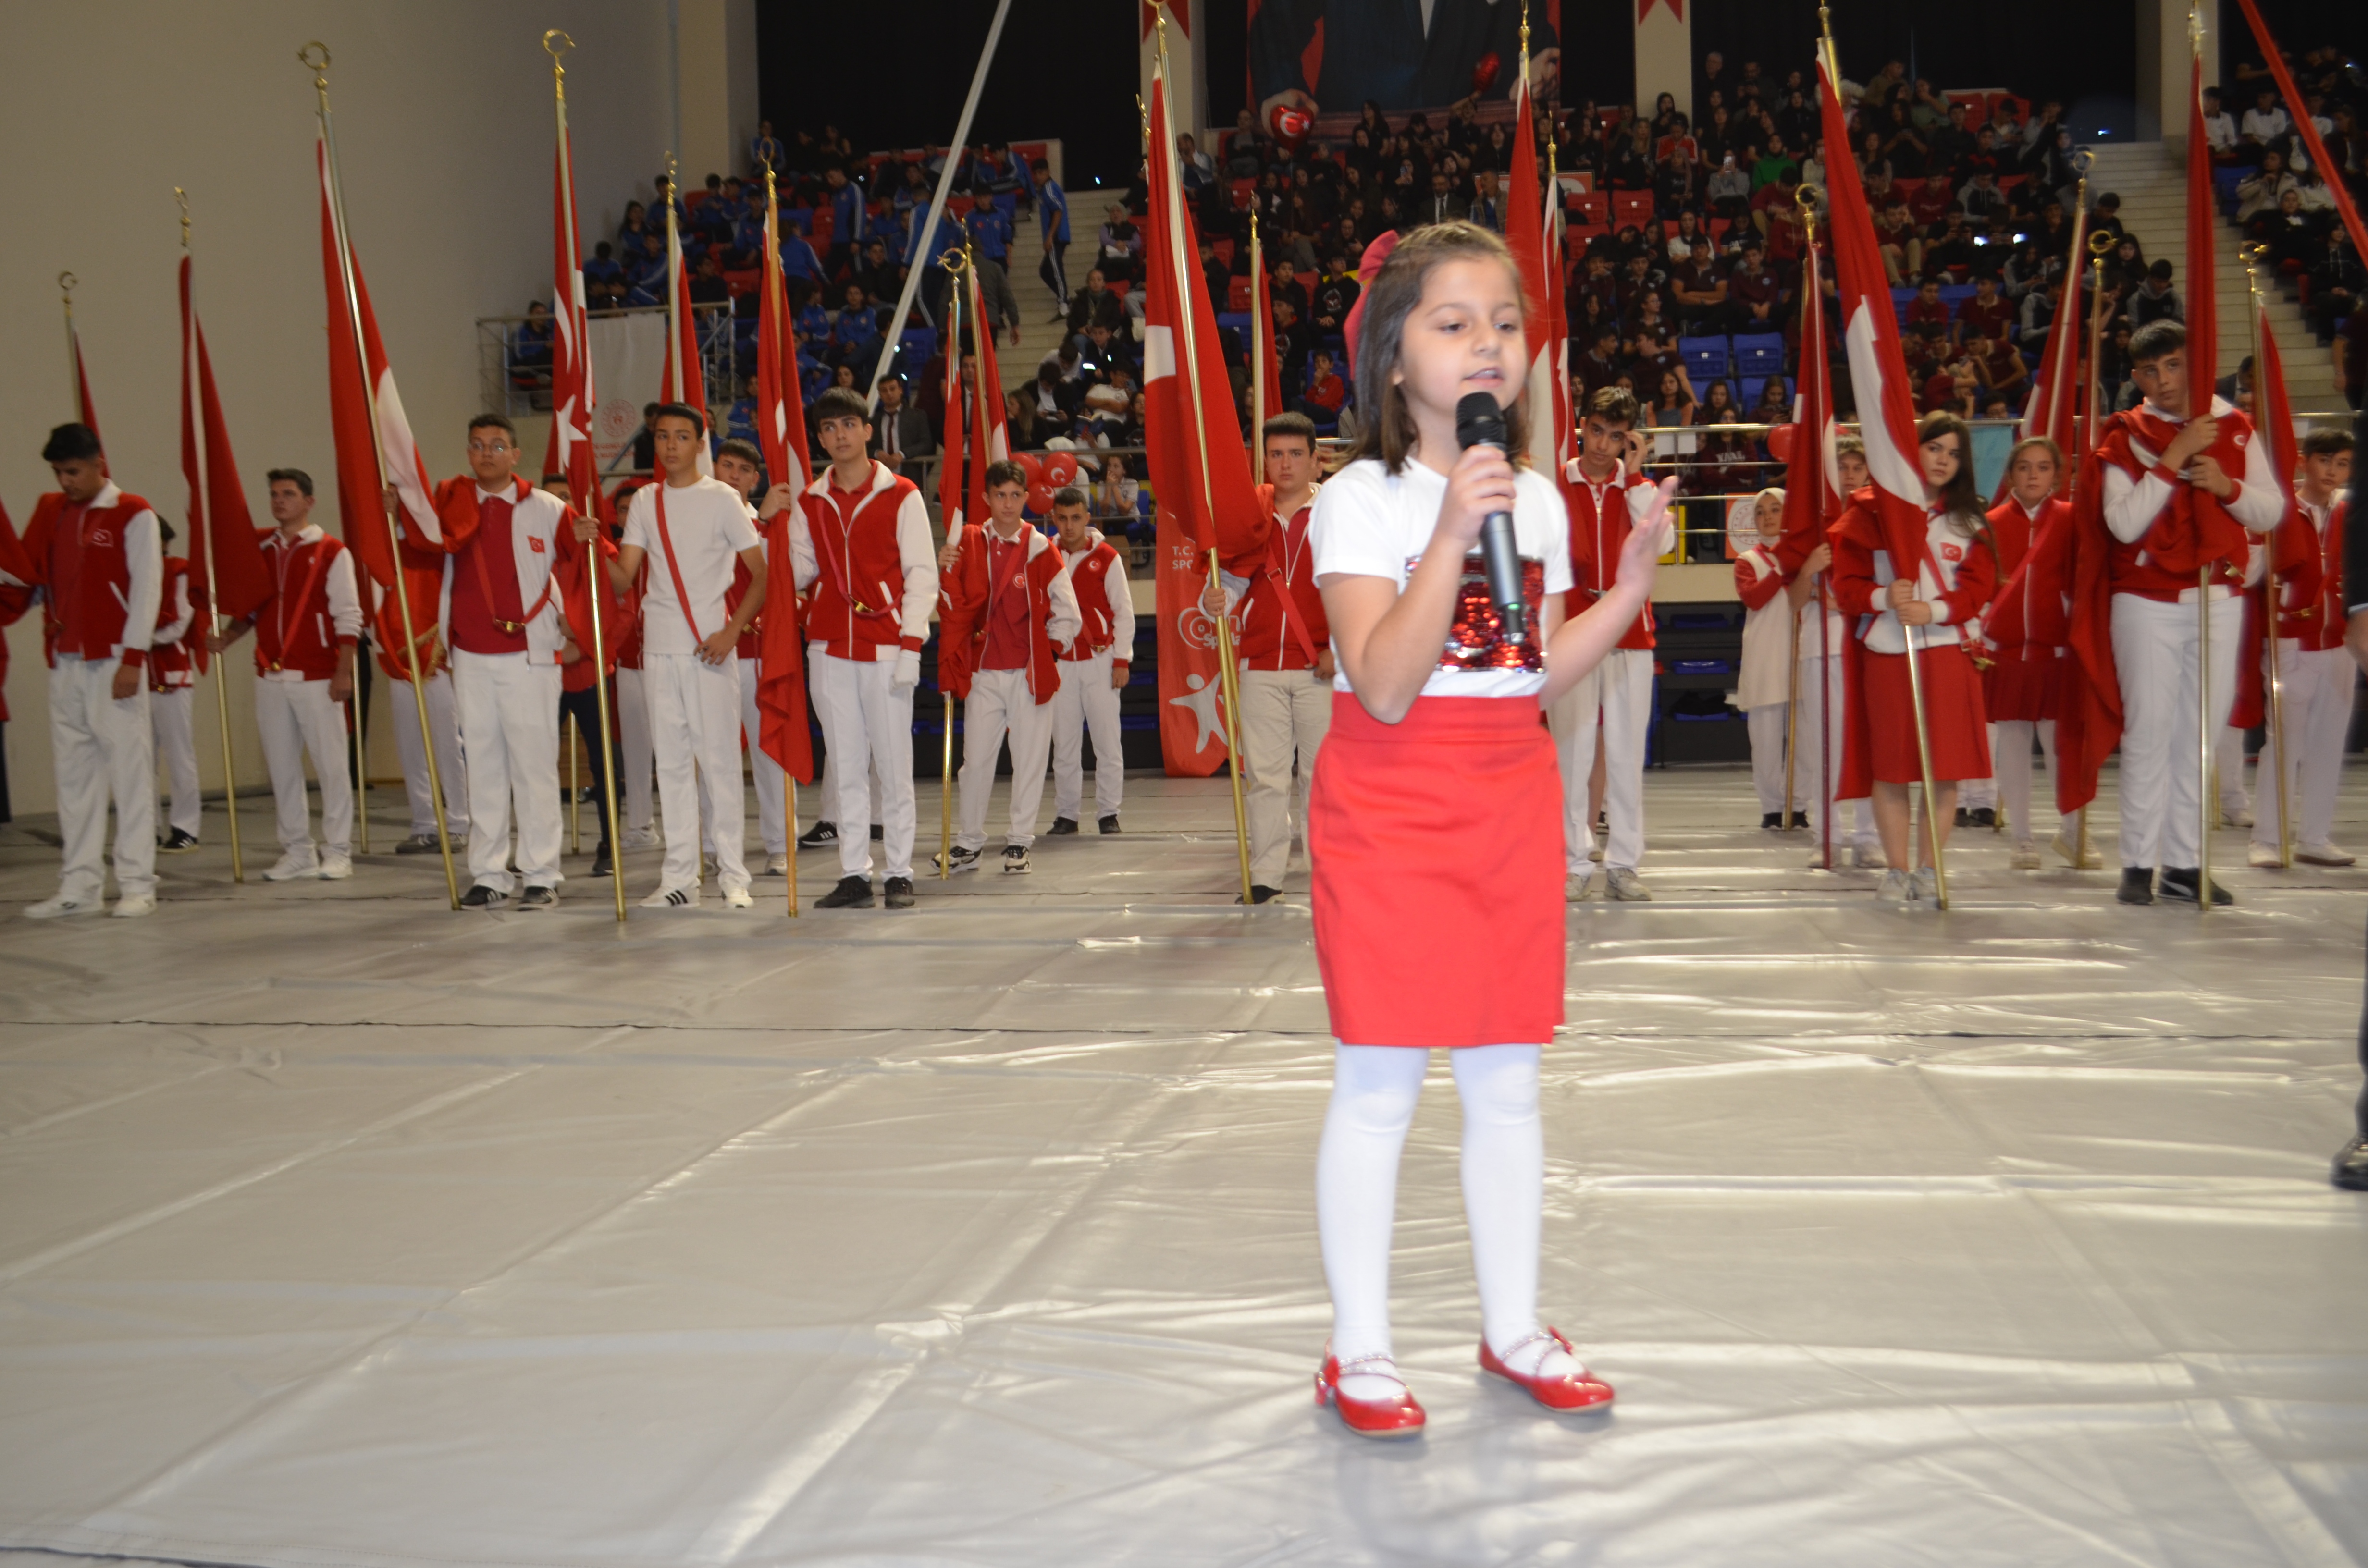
<point>1389,433</point>
<point>1614,405</point>
<point>2054,452</point>
<point>1958,497</point>
<point>2326,442</point>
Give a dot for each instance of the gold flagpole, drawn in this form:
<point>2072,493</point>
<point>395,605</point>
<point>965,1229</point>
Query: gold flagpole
<point>1258,345</point>
<point>772,285</point>
<point>956,263</point>
<point>1805,199</point>
<point>320,70</point>
<point>213,599</point>
<point>1227,677</point>
<point>2100,246</point>
<point>594,570</point>
<point>2277,714</point>
<point>67,282</point>
<point>2206,798</point>
<point>1915,643</point>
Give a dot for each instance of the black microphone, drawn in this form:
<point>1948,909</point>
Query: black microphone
<point>1480,423</point>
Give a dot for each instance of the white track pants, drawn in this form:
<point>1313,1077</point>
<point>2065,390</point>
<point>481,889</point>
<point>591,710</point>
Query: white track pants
<point>1620,690</point>
<point>867,726</point>
<point>634,755</point>
<point>2010,759</point>
<point>694,715</point>
<point>1767,726</point>
<point>772,782</point>
<point>171,714</point>
<point>296,717</point>
<point>451,767</point>
<point>1853,819</point>
<point>102,748</point>
<point>1285,714</point>
<point>508,711</point>
<point>1087,701</point>
<point>826,787</point>
<point>2228,769</point>
<point>1000,703</point>
<point>2318,694</point>
<point>2155,648</point>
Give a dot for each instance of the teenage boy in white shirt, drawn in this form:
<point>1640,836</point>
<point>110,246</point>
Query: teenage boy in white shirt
<point>690,529</point>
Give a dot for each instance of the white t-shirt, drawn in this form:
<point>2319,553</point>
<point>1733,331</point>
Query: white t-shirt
<point>1370,523</point>
<point>709,524</point>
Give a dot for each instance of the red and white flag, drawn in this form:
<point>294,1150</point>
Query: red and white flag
<point>572,396</point>
<point>361,515</point>
<point>990,435</point>
<point>1199,470</point>
<point>1270,362</point>
<point>951,460</point>
<point>2052,409</point>
<point>227,571</point>
<point>82,409</point>
<point>1886,405</point>
<point>682,380</point>
<point>782,730</point>
<point>1813,485</point>
<point>1531,235</point>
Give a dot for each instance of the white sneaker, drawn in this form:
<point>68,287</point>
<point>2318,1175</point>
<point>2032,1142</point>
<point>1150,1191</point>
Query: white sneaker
<point>2025,856</point>
<point>1596,854</point>
<point>672,898</point>
<point>1896,888</point>
<point>1579,887</point>
<point>2322,853</point>
<point>2263,857</point>
<point>1925,885</point>
<point>1621,882</point>
<point>1868,858</point>
<point>63,908</point>
<point>777,866</point>
<point>300,861</point>
<point>737,897</point>
<point>640,838</point>
<point>131,906</point>
<point>336,867</point>
<point>2239,817</point>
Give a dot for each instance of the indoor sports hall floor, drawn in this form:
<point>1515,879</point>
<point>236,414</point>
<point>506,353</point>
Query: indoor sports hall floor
<point>336,1228</point>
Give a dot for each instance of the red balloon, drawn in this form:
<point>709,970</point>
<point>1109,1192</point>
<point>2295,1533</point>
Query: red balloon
<point>1033,467</point>
<point>1059,469</point>
<point>1780,442</point>
<point>1484,74</point>
<point>1040,498</point>
<point>1289,126</point>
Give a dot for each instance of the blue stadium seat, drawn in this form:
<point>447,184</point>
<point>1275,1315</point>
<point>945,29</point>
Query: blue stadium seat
<point>1706,358</point>
<point>1758,356</point>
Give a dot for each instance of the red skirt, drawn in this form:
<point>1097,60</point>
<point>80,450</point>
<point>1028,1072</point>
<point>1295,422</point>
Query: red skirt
<point>2022,688</point>
<point>1438,854</point>
<point>1952,712</point>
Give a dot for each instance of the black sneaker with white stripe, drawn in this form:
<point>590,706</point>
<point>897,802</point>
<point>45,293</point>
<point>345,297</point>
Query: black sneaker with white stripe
<point>822,835</point>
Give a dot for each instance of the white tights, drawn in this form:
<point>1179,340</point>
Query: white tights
<point>1375,1088</point>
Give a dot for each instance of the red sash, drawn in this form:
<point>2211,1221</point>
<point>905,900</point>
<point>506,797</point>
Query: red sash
<point>665,542</point>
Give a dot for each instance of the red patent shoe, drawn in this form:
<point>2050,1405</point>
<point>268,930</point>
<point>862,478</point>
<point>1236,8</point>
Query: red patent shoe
<point>1580,1390</point>
<point>1398,1417</point>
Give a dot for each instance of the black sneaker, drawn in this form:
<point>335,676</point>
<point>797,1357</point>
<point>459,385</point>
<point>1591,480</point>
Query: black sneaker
<point>1983,816</point>
<point>482,897</point>
<point>1801,820</point>
<point>1260,893</point>
<point>1771,822</point>
<point>900,892</point>
<point>1062,827</point>
<point>1108,824</point>
<point>539,898</point>
<point>963,859</point>
<point>2350,1171</point>
<point>180,843</point>
<point>1964,816</point>
<point>604,864</point>
<point>2137,885</point>
<point>878,833</point>
<point>822,835</point>
<point>1014,859</point>
<point>2179,882</point>
<point>852,893</point>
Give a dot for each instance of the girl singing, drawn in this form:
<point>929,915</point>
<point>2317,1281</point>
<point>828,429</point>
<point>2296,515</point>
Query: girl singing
<point>1435,822</point>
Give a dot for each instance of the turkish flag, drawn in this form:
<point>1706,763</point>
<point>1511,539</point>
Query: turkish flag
<point>227,573</point>
<point>783,730</point>
<point>1813,486</point>
<point>2055,397</point>
<point>682,379</point>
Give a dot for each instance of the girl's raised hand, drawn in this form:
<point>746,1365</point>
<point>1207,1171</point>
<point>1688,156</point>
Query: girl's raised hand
<point>1642,555</point>
<point>1481,482</point>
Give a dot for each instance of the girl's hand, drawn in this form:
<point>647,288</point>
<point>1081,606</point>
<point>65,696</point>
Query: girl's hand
<point>1641,556</point>
<point>1820,559</point>
<point>1481,482</point>
<point>1902,592</point>
<point>1915,613</point>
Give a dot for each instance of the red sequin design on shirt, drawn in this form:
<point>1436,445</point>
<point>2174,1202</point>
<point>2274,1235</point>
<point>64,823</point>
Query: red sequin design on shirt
<point>1477,641</point>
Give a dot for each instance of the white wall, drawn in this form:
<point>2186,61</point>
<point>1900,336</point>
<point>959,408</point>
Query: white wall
<point>445,127</point>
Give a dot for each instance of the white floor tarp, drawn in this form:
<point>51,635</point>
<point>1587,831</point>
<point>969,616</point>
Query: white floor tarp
<point>336,1228</point>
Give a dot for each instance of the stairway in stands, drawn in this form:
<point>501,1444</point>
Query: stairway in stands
<point>2153,188</point>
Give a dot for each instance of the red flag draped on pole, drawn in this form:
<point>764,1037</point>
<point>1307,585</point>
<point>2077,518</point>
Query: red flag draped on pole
<point>2055,399</point>
<point>1812,496</point>
<point>990,432</point>
<point>227,571</point>
<point>682,379</point>
<point>1269,363</point>
<point>951,460</point>
<point>2294,544</point>
<point>783,730</point>
<point>1199,470</point>
<point>572,395</point>
<point>1529,234</point>
<point>359,508</point>
<point>81,381</point>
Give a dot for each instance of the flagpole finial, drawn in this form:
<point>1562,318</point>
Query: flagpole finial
<point>557,50</point>
<point>183,197</point>
<point>1525,40</point>
<point>67,282</point>
<point>320,67</point>
<point>2195,31</point>
<point>1808,197</point>
<point>1159,11</point>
